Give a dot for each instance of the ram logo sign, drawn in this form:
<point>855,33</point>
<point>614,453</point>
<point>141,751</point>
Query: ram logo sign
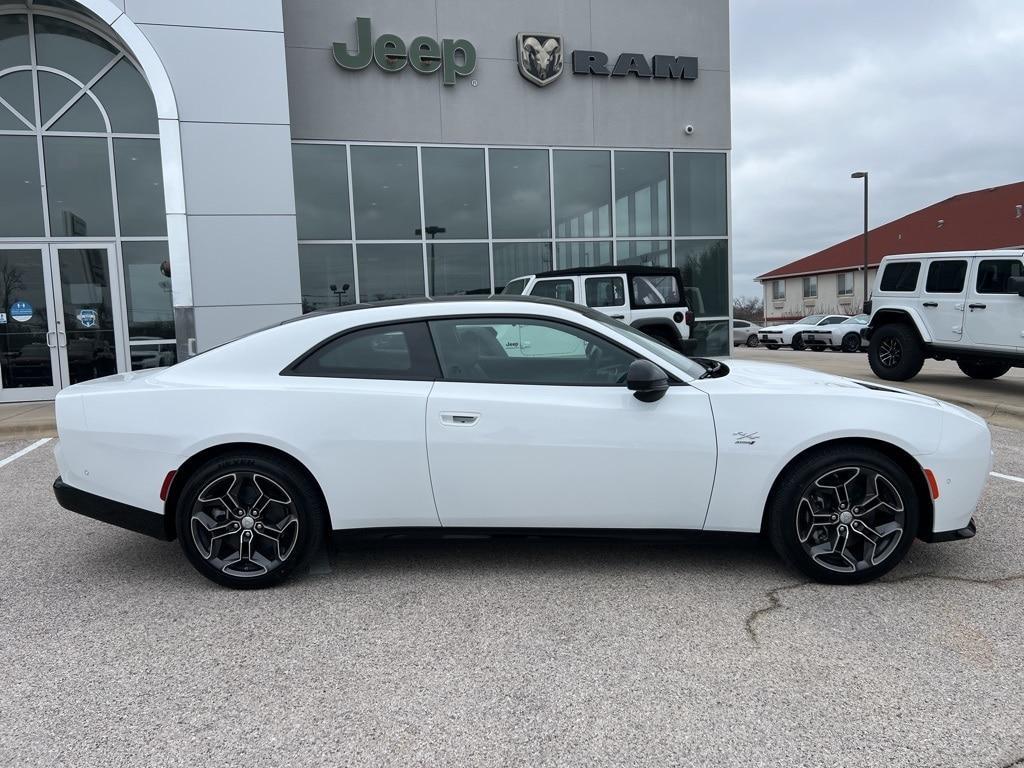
<point>540,57</point>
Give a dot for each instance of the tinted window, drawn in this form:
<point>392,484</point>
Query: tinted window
<point>390,271</point>
<point>900,276</point>
<point>321,192</point>
<point>518,259</point>
<point>454,193</point>
<point>458,268</point>
<point>385,187</point>
<point>946,277</point>
<point>705,267</point>
<point>554,289</point>
<point>515,288</point>
<point>994,275</point>
<point>140,187</point>
<point>520,200</point>
<point>515,350</point>
<point>641,194</point>
<point>386,352</point>
<point>655,290</point>
<point>586,253</point>
<point>582,193</point>
<point>605,291</point>
<point>701,204</point>
<point>834,320</point>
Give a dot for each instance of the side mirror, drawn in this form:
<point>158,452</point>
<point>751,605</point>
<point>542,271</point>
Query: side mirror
<point>646,381</point>
<point>1016,284</point>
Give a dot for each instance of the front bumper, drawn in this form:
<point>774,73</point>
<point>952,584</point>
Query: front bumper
<point>934,537</point>
<point>109,511</point>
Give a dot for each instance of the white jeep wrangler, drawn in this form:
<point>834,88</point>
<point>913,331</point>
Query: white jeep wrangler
<point>651,299</point>
<point>965,306</point>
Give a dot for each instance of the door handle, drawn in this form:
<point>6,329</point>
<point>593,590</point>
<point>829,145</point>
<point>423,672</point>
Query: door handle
<point>54,344</point>
<point>618,317</point>
<point>976,306</point>
<point>930,304</point>
<point>450,419</point>
<point>63,344</point>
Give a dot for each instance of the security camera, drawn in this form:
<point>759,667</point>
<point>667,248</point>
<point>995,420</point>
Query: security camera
<point>688,130</point>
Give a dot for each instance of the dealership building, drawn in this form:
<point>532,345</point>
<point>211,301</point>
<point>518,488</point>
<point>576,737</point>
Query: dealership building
<point>176,174</point>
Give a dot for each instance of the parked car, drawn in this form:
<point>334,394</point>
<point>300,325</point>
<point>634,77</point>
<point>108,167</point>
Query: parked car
<point>791,334</point>
<point>842,337</point>
<point>410,416</point>
<point>744,332</point>
<point>964,306</point>
<point>651,299</point>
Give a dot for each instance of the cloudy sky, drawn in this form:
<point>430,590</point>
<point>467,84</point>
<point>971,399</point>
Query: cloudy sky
<point>926,95</point>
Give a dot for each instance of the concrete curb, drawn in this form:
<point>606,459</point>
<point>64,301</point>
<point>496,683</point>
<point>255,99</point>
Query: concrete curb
<point>22,432</point>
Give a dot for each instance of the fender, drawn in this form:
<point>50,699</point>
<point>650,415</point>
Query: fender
<point>883,314</point>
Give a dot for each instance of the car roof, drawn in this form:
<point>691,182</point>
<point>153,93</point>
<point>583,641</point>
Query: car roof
<point>956,254</point>
<point>609,269</point>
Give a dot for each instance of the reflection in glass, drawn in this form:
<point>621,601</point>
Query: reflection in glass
<point>458,268</point>
<point>321,191</point>
<point>517,259</point>
<point>454,192</point>
<point>88,313</point>
<point>14,41</point>
<point>147,290</point>
<point>641,194</point>
<point>326,276</point>
<point>54,92</point>
<point>153,356</point>
<point>390,271</point>
<point>83,117</point>
<point>589,253</point>
<point>705,268</point>
<point>66,46</point>
<point>24,355</point>
<point>127,100</point>
<point>650,253</point>
<point>78,186</point>
<point>140,188</point>
<point>710,337</point>
<point>700,196</point>
<point>21,202</point>
<point>520,193</point>
<point>385,185</point>
<point>582,193</point>
<point>16,90</point>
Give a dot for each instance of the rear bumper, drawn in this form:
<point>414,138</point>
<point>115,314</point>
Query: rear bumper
<point>966,532</point>
<point>108,511</point>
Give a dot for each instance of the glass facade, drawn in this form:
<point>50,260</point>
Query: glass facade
<point>445,220</point>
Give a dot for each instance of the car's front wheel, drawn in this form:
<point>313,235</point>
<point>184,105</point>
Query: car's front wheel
<point>895,353</point>
<point>983,369</point>
<point>752,340</point>
<point>851,342</point>
<point>845,515</point>
<point>798,343</point>
<point>249,520</point>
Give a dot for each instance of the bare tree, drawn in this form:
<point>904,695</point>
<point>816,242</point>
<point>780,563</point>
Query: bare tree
<point>748,308</point>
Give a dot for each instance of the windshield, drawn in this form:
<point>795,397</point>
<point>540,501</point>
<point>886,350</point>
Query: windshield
<point>679,360</point>
<point>859,320</point>
<point>810,320</point>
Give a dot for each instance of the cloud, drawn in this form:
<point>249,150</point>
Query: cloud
<point>923,95</point>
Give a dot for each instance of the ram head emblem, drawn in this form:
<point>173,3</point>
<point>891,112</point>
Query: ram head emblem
<point>540,57</point>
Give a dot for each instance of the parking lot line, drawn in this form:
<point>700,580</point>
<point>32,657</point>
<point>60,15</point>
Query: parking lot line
<point>1001,476</point>
<point>23,451</point>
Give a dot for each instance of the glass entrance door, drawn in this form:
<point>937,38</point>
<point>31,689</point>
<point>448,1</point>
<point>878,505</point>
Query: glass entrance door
<point>61,321</point>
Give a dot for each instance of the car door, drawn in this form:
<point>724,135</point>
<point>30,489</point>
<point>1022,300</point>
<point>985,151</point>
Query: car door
<point>607,294</point>
<point>995,313</point>
<point>559,442</point>
<point>944,298</point>
<point>740,331</point>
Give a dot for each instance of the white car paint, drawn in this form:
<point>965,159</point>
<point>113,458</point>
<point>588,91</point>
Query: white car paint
<point>783,334</point>
<point>833,335</point>
<point>392,453</point>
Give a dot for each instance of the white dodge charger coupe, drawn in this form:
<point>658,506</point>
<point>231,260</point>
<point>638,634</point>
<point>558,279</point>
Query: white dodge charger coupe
<point>511,414</point>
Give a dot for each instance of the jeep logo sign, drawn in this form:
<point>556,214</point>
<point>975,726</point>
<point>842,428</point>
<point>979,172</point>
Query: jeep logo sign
<point>455,58</point>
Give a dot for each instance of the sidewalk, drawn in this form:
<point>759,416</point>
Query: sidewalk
<point>27,420</point>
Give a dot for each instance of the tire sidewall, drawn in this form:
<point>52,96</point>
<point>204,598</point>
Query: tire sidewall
<point>851,347</point>
<point>798,343</point>
<point>752,340</point>
<point>912,353</point>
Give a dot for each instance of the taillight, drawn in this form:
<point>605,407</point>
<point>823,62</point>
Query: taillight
<point>689,318</point>
<point>166,487</point>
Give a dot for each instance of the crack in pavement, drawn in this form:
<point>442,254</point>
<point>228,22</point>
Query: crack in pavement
<point>1014,764</point>
<point>775,602</point>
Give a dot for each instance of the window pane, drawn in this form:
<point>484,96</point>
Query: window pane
<point>563,290</point>
<point>127,100</point>
<point>656,290</point>
<point>71,48</point>
<point>326,277</point>
<point>585,254</point>
<point>710,337</point>
<point>652,253</point>
<point>458,268</point>
<point>385,184</point>
<point>83,117</point>
<point>454,192</point>
<point>514,288</point>
<point>24,355</point>
<point>900,276</point>
<point>21,202</point>
<point>705,268</point>
<point>519,259</point>
<point>605,291</point>
<point>147,289</point>
<point>517,351</point>
<point>16,90</point>
<point>520,193</point>
<point>810,287</point>
<point>321,191</point>
<point>140,187</point>
<point>641,194</point>
<point>402,351</point>
<point>582,193</point>
<point>54,92</point>
<point>994,275</point>
<point>14,41</point>
<point>85,287</point>
<point>78,184</point>
<point>946,276</point>
<point>390,271</point>
<point>700,194</point>
<point>153,356</point>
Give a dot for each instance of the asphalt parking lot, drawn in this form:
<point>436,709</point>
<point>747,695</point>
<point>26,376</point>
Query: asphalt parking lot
<point>113,651</point>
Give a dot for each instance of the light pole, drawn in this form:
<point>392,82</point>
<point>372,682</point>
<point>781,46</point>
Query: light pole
<point>433,231</point>
<point>864,175</point>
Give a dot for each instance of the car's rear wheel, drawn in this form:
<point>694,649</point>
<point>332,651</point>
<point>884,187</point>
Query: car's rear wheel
<point>895,353</point>
<point>798,343</point>
<point>752,340</point>
<point>249,520</point>
<point>983,369</point>
<point>851,342</point>
<point>845,515</point>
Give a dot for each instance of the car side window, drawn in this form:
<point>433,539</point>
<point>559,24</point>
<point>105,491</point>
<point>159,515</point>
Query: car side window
<point>399,351</point>
<point>656,290</point>
<point>946,276</point>
<point>994,275</point>
<point>900,276</point>
<point>515,287</point>
<point>563,290</point>
<point>833,320</point>
<point>521,350</point>
<point>605,291</point>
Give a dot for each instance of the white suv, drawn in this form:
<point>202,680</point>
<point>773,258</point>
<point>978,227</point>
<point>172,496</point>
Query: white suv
<point>964,306</point>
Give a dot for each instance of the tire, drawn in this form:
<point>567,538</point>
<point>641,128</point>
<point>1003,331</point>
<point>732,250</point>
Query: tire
<point>983,369</point>
<point>849,544</point>
<point>752,340</point>
<point>798,343</point>
<point>895,353</point>
<point>772,346</point>
<point>851,342</point>
<point>225,495</point>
